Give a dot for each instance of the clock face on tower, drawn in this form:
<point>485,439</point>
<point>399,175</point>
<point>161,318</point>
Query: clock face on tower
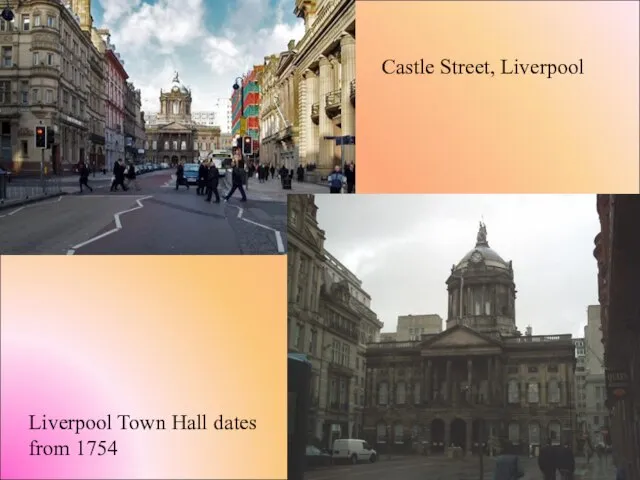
<point>476,257</point>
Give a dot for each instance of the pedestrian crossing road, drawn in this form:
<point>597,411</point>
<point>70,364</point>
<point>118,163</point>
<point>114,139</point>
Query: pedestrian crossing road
<point>443,468</point>
<point>156,220</point>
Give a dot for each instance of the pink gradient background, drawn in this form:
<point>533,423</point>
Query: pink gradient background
<point>150,337</point>
<point>506,134</point>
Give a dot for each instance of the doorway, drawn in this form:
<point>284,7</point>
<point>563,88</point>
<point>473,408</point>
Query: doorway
<point>459,433</point>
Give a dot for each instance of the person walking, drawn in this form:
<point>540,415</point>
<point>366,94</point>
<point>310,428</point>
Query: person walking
<point>213,176</point>
<point>131,177</point>
<point>566,462</point>
<point>508,466</point>
<point>84,176</point>
<point>180,176</point>
<point>118,176</point>
<point>202,178</point>
<point>336,180</point>
<point>237,179</point>
<point>350,174</point>
<point>547,462</point>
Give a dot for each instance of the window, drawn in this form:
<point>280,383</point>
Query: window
<point>26,22</point>
<point>154,145</point>
<point>554,392</point>
<point>381,433</point>
<point>401,393</point>
<point>534,434</point>
<point>175,145</point>
<point>24,92</point>
<point>51,21</point>
<point>513,392</point>
<point>333,392</point>
<point>596,420</point>
<point>48,96</point>
<point>383,393</point>
<point>533,392</point>
<point>166,145</point>
<point>335,352</point>
<point>296,334</point>
<point>25,148</point>
<point>313,341</point>
<point>398,433</point>
<point>183,146</point>
<point>50,59</point>
<point>554,433</point>
<point>514,432</point>
<point>36,20</point>
<point>346,354</point>
<point>7,57</point>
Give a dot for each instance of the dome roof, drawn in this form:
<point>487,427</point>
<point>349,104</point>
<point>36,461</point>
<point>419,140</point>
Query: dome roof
<point>177,86</point>
<point>482,253</point>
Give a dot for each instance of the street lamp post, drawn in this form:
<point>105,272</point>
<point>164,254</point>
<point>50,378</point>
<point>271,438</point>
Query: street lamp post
<point>239,85</point>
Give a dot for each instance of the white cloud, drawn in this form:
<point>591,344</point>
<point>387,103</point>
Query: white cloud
<point>156,40</point>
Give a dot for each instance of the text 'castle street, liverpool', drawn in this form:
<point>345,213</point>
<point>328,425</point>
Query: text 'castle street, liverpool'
<point>154,219</point>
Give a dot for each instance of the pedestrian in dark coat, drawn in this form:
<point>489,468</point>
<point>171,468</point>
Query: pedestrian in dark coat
<point>212,182</point>
<point>547,461</point>
<point>507,466</point>
<point>84,176</point>
<point>566,462</point>
<point>202,179</point>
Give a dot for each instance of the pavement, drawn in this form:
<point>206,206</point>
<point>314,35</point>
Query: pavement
<point>443,468</point>
<point>157,220</point>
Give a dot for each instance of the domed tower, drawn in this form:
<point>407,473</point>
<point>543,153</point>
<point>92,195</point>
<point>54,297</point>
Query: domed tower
<point>175,103</point>
<point>482,293</point>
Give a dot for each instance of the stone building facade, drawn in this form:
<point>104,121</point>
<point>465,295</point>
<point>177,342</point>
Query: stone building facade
<point>175,137</point>
<point>478,381</point>
<point>134,134</point>
<point>116,80</point>
<point>44,80</point>
<point>329,321</point>
<point>324,71</point>
<point>618,256</point>
<point>97,100</point>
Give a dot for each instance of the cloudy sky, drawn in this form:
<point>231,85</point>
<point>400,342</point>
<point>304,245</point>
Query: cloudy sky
<point>209,42</point>
<point>403,247</point>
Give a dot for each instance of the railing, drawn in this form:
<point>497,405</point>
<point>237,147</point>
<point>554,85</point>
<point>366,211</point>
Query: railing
<point>383,345</point>
<point>539,339</point>
<point>333,99</point>
<point>46,70</point>
<point>28,188</point>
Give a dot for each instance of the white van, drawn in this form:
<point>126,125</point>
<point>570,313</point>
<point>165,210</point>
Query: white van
<point>353,450</point>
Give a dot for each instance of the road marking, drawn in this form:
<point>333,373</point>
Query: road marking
<point>35,204</point>
<point>240,212</point>
<point>15,211</point>
<point>118,223</point>
<point>279,243</point>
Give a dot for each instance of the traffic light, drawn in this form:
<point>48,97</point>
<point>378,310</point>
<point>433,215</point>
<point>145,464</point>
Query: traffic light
<point>247,146</point>
<point>51,137</point>
<point>41,137</point>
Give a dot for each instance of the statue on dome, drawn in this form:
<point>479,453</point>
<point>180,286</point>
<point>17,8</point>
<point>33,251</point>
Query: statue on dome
<point>176,77</point>
<point>482,233</point>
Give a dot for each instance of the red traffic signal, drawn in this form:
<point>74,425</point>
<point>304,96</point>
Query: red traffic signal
<point>41,137</point>
<point>247,146</point>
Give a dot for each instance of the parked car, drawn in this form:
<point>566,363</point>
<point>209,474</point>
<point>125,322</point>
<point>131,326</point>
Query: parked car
<point>353,450</point>
<point>317,458</point>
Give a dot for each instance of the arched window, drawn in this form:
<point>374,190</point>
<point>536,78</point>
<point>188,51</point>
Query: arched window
<point>401,393</point>
<point>416,393</point>
<point>533,392</point>
<point>513,391</point>
<point>554,433</point>
<point>514,432</point>
<point>166,145</point>
<point>176,108</point>
<point>383,393</point>
<point>534,433</point>
<point>398,433</point>
<point>381,433</point>
<point>553,391</point>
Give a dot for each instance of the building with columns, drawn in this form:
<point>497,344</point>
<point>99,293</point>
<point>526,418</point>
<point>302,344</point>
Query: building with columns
<point>478,381</point>
<point>330,321</point>
<point>325,73</point>
<point>174,137</point>
<point>618,256</point>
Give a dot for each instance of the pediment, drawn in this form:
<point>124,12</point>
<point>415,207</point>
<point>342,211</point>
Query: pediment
<point>312,236</point>
<point>458,337</point>
<point>173,126</point>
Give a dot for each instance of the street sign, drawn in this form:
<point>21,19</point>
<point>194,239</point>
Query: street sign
<point>344,140</point>
<point>617,383</point>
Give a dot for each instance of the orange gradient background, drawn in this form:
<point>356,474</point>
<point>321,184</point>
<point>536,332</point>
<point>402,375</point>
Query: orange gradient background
<point>475,134</point>
<point>150,337</point>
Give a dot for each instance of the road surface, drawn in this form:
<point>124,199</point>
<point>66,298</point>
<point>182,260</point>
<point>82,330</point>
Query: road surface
<point>157,220</point>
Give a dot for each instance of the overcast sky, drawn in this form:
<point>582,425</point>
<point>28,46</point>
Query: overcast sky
<point>403,246</point>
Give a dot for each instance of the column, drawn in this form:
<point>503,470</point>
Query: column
<point>489,381</point>
<point>470,389</point>
<point>348,111</point>
<point>325,160</point>
<point>310,129</point>
<point>447,386</point>
<point>428,392</point>
<point>565,384</point>
<point>308,286</point>
<point>436,381</point>
<point>304,103</point>
<point>468,438</point>
<point>392,387</point>
<point>447,434</point>
<point>293,286</point>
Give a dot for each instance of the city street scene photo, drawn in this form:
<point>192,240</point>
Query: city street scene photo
<point>121,136</point>
<point>463,337</point>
